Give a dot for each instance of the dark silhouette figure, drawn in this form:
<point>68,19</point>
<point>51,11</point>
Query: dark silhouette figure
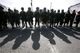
<point>67,18</point>
<point>23,16</point>
<point>48,17</point>
<point>72,18</point>
<point>58,15</point>
<point>68,32</point>
<point>35,38</point>
<point>1,17</point>
<point>52,16</point>
<point>37,16</point>
<point>29,14</point>
<point>62,17</point>
<point>24,35</point>
<point>77,19</point>
<point>44,16</point>
<point>40,15</point>
<point>16,18</point>
<point>5,32</point>
<point>12,34</point>
<point>74,30</point>
<point>11,17</point>
<point>60,35</point>
<point>47,33</point>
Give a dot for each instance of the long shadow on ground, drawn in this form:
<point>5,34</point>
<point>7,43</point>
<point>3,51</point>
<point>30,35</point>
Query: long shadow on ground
<point>24,35</point>
<point>47,33</point>
<point>12,34</point>
<point>60,35</point>
<point>68,32</point>
<point>35,38</point>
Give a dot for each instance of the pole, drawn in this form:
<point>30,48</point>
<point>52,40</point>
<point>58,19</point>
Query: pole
<point>50,5</point>
<point>31,6</point>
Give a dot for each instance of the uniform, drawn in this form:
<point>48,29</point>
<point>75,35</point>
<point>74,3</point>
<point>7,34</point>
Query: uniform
<point>72,18</point>
<point>1,17</point>
<point>37,16</point>
<point>58,15</point>
<point>62,16</point>
<point>30,17</point>
<point>11,17</point>
<point>44,16</point>
<point>77,19</point>
<point>67,18</point>
<point>22,16</point>
<point>52,16</point>
<point>16,17</point>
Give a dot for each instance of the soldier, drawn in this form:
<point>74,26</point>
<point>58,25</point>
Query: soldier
<point>5,20</point>
<point>1,17</point>
<point>44,15</point>
<point>67,17</point>
<point>40,14</point>
<point>48,16</point>
<point>11,17</point>
<point>30,17</point>
<point>58,17</point>
<point>37,16</point>
<point>22,16</point>
<point>77,19</point>
<point>52,17</point>
<point>16,17</point>
<point>62,16</point>
<point>72,18</point>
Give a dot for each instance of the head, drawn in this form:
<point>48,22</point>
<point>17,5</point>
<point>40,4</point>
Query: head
<point>40,10</point>
<point>48,10</point>
<point>68,11</point>
<point>14,10</point>
<point>55,11</point>
<point>44,9</point>
<point>63,10</point>
<point>9,9</point>
<point>73,11</point>
<point>58,11</point>
<point>22,8</point>
<point>37,8</point>
<point>29,9</point>
<point>52,10</point>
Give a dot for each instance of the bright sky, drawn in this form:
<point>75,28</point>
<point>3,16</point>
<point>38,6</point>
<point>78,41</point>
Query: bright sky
<point>56,4</point>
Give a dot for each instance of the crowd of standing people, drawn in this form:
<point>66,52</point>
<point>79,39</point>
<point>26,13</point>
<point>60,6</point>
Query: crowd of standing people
<point>50,17</point>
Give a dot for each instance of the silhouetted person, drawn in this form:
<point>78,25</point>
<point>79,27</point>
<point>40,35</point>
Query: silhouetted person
<point>5,20</point>
<point>67,17</point>
<point>77,19</point>
<point>30,17</point>
<point>58,17</point>
<point>37,16</point>
<point>52,16</point>
<point>72,18</point>
<point>62,17</point>
<point>22,15</point>
<point>16,17</point>
<point>1,17</point>
<point>11,17</point>
<point>48,16</point>
<point>44,19</point>
<point>40,14</point>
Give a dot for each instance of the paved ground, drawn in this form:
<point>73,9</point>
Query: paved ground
<point>40,40</point>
